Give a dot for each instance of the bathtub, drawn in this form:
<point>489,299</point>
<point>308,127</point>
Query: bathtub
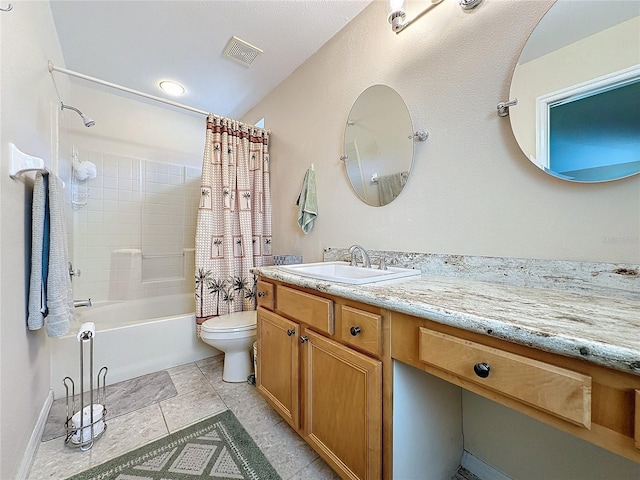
<point>132,338</point>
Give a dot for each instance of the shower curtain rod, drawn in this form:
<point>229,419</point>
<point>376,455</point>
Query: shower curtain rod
<point>53,68</point>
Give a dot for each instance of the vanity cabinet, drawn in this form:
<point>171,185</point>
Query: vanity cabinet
<point>319,366</point>
<point>278,375</point>
<point>592,402</point>
<point>558,391</point>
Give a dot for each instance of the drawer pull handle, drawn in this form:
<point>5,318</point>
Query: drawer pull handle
<point>304,339</point>
<point>262,294</point>
<point>482,369</point>
<point>355,330</point>
<point>291,332</point>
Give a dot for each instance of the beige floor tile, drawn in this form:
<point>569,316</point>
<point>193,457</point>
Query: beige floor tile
<point>285,450</point>
<point>130,431</point>
<point>256,415</point>
<point>318,470</point>
<point>55,460</point>
<point>190,408</point>
<point>233,393</point>
<point>212,371</point>
<point>210,360</point>
<point>188,378</point>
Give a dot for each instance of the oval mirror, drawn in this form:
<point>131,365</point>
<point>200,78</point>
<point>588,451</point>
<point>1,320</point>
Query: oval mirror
<point>377,149</point>
<point>577,85</point>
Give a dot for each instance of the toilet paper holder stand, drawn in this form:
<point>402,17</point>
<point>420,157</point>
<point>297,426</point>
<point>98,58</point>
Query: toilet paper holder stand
<point>88,426</point>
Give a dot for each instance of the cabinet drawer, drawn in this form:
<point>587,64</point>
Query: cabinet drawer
<point>556,390</point>
<point>266,297</point>
<point>362,329</point>
<point>317,312</point>
<point>637,419</point>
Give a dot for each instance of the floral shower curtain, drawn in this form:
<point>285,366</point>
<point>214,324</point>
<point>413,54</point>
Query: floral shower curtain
<point>234,218</point>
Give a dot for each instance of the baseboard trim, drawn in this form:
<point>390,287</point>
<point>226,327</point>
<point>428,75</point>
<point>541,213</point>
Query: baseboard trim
<point>481,469</point>
<point>34,441</point>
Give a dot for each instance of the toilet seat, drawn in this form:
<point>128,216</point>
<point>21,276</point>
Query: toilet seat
<point>232,323</point>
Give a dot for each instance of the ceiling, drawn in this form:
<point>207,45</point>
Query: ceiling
<point>139,43</point>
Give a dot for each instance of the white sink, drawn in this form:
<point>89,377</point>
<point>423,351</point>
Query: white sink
<point>343,272</point>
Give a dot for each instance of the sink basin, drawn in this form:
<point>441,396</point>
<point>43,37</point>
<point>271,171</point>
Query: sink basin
<point>343,272</point>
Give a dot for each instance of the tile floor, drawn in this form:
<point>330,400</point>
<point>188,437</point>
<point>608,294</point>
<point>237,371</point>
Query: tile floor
<point>200,394</point>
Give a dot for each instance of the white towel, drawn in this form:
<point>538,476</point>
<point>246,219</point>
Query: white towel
<point>307,202</point>
<point>37,298</point>
<point>390,186</point>
<point>59,290</point>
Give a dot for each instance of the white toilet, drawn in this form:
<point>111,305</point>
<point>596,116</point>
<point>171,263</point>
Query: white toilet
<point>234,335</point>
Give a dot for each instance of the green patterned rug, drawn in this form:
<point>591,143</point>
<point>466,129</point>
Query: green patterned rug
<point>216,448</point>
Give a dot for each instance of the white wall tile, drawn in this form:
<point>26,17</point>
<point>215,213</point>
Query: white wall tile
<point>135,204</point>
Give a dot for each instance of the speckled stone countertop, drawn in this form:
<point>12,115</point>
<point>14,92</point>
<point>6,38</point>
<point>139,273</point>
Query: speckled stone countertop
<point>600,329</point>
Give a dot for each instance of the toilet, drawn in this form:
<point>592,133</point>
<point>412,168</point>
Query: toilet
<point>234,335</point>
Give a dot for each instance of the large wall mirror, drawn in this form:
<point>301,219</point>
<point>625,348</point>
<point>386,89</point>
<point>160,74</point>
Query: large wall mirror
<point>577,83</point>
<point>377,149</point>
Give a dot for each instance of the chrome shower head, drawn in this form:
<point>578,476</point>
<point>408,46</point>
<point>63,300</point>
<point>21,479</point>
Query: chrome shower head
<point>87,121</point>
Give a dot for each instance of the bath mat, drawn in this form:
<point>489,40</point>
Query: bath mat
<point>122,397</point>
<point>215,448</point>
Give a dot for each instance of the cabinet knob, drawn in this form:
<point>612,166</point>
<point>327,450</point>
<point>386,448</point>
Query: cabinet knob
<point>355,330</point>
<point>482,369</point>
<point>262,294</point>
<point>304,339</point>
<point>291,332</point>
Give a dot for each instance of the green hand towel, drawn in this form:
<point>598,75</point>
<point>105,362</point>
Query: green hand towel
<point>307,202</point>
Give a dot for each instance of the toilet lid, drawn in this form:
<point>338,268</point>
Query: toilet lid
<point>233,322</point>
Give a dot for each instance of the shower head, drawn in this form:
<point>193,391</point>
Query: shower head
<point>87,121</point>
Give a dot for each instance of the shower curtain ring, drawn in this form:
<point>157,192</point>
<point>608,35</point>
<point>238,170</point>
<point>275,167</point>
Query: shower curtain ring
<point>8,9</point>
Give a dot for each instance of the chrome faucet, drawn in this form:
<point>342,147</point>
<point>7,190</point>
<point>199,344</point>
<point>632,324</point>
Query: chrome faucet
<point>366,262</point>
<point>82,303</point>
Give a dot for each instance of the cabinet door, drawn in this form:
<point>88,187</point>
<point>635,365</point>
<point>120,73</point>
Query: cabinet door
<point>342,398</point>
<point>278,364</point>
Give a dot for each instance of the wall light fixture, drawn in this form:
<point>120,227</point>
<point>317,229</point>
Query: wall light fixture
<point>397,14</point>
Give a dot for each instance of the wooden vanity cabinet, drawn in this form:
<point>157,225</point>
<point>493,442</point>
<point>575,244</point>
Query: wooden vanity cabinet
<point>278,367</point>
<point>323,387</point>
<point>592,402</point>
<point>342,399</point>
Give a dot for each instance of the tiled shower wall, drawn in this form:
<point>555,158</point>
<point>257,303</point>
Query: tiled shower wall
<point>135,236</point>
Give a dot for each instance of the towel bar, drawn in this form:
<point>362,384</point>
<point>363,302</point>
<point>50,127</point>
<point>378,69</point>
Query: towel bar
<point>22,163</point>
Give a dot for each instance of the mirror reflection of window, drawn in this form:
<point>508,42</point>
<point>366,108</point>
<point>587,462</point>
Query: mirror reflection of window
<point>597,137</point>
<point>578,43</point>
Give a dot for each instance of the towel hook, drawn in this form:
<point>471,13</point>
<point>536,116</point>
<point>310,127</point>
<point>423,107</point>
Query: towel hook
<point>8,9</point>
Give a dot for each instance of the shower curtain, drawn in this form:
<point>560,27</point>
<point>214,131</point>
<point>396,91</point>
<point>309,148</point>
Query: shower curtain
<point>233,231</point>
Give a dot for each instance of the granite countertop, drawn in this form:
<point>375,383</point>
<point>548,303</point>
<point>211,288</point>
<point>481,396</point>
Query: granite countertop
<point>599,329</point>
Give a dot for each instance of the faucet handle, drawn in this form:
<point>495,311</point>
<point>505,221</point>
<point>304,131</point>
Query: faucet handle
<point>383,264</point>
<point>73,272</point>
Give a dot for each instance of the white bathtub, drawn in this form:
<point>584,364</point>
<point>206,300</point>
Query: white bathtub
<point>132,338</point>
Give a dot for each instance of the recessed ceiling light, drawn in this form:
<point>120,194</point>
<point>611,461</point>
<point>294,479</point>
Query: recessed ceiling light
<point>171,88</point>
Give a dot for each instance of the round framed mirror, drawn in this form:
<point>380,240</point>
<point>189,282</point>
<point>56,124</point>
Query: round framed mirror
<point>577,85</point>
<point>377,149</point>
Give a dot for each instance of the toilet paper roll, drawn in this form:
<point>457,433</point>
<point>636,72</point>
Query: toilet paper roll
<point>82,432</point>
<point>87,330</point>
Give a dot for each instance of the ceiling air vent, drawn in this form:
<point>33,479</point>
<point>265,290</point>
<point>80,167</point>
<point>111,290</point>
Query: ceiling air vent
<point>241,51</point>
